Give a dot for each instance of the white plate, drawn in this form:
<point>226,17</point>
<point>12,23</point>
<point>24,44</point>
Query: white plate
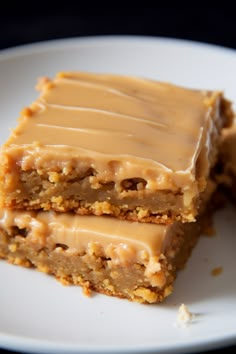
<point>37,314</point>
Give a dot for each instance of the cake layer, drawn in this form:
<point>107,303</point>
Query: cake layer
<point>104,144</point>
<point>132,260</point>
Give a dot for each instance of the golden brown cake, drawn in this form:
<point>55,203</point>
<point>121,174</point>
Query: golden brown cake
<point>132,260</point>
<point>101,144</point>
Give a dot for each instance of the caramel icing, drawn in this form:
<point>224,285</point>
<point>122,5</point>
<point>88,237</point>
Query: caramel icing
<point>122,241</point>
<point>124,127</point>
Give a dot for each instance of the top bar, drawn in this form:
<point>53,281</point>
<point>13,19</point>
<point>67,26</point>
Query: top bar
<point>107,144</point>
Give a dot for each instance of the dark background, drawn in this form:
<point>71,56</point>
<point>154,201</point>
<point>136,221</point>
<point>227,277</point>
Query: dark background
<point>41,20</point>
<point>38,21</point>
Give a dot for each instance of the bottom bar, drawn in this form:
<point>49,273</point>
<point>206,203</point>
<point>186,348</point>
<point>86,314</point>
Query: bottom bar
<point>119,258</point>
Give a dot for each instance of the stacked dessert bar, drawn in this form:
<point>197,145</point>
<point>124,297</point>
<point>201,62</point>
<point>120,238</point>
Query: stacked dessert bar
<point>106,181</point>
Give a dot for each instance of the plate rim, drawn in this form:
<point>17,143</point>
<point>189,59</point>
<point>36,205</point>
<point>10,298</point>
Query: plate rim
<point>54,44</point>
<point>35,346</point>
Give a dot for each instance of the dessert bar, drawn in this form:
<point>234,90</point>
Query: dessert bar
<point>124,146</point>
<point>132,260</point>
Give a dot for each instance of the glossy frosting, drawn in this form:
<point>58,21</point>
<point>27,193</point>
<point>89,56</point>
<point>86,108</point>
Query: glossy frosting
<point>125,127</point>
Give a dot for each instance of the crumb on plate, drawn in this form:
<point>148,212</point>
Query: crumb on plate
<point>216,271</point>
<point>184,316</point>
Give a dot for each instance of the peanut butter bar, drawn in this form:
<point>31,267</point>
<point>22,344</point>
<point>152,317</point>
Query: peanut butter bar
<point>132,260</point>
<point>123,146</point>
